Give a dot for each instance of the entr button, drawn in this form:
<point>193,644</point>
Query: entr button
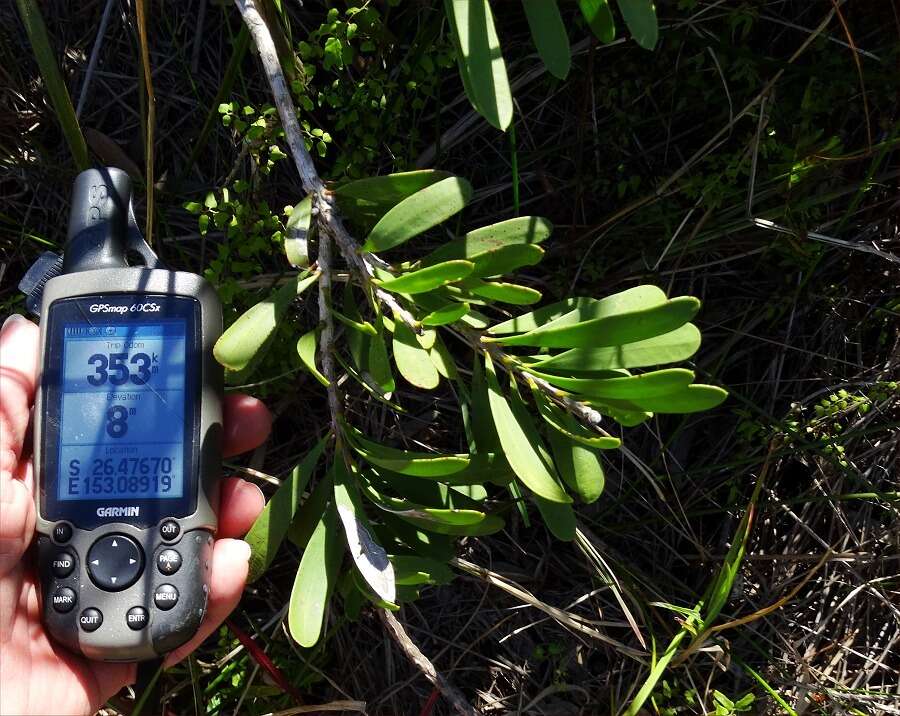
<point>90,619</point>
<point>63,600</point>
<point>62,532</point>
<point>165,597</point>
<point>115,562</point>
<point>62,565</point>
<point>168,561</point>
<point>136,618</point>
<point>169,529</point>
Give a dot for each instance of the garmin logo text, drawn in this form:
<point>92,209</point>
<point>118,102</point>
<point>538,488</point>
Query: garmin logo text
<point>118,511</point>
<point>133,308</point>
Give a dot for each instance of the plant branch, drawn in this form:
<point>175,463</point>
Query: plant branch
<point>415,655</point>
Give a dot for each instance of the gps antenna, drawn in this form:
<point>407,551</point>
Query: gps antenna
<point>98,221</point>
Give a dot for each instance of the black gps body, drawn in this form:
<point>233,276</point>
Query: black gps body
<point>127,437</point>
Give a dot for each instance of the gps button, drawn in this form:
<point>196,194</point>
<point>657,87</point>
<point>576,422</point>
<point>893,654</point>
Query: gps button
<point>90,619</point>
<point>62,532</point>
<point>169,529</point>
<point>115,562</point>
<point>136,618</point>
<point>62,565</point>
<point>63,600</point>
<point>168,561</point>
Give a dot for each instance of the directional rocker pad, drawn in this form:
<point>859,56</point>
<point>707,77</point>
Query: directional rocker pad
<point>115,562</point>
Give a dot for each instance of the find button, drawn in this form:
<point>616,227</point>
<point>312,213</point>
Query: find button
<point>62,565</point>
<point>136,618</point>
<point>169,529</point>
<point>165,597</point>
<point>90,619</point>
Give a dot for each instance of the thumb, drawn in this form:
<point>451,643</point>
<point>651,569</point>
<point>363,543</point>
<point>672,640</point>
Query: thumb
<point>18,378</point>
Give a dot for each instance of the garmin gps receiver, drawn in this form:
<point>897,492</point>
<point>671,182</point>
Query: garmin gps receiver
<point>127,434</point>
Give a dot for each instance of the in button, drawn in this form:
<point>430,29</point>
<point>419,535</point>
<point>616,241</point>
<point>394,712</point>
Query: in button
<point>62,532</point>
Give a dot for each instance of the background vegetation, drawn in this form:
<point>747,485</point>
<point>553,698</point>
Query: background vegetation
<point>750,160</point>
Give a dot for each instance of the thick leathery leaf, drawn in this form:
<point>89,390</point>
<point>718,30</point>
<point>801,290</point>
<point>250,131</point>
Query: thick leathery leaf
<point>640,17</point>
<point>368,352</point>
<point>599,18</point>
<point>365,201</point>
<point>671,347</point>
<point>306,349</point>
<point>691,399</point>
<point>427,516</point>
<point>429,278</point>
<point>521,443</point>
<point>506,259</point>
<point>442,359</point>
<point>315,580</point>
<point>503,292</point>
<point>406,462</point>
<point>270,528</point>
<point>450,313</point>
<point>578,465</point>
<point>488,526</point>
<point>539,317</point>
<point>369,557</point>
<point>308,514</point>
<point>249,333</point>
<point>611,330</point>
<point>412,569</point>
<point>412,360</point>
<point>559,518</point>
<point>523,230</point>
<point>481,58</point>
<point>422,542</point>
<point>378,363</point>
<point>628,301</point>
<point>645,385</point>
<point>426,208</point>
<point>549,35</point>
<point>296,242</point>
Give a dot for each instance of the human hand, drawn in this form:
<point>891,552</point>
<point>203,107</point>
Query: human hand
<point>38,676</point>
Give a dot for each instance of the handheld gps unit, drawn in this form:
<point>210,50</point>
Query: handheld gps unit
<point>127,433</point>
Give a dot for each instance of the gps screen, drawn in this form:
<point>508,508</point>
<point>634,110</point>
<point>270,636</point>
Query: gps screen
<point>122,421</point>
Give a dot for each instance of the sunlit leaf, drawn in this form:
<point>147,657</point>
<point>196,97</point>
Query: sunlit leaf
<point>503,292</point>
<point>578,465</point>
<point>599,18</point>
<point>412,569</point>
<point>315,580</point>
<point>505,259</point>
<point>306,349</point>
<point>690,399</point>
<point>549,35</point>
<point>645,385</point>
<point>450,313</point>
<point>270,528</point>
<point>296,242</point>
<point>442,359</point>
<point>429,278</point>
<point>564,423</point>
<point>426,208</point>
<point>250,332</point>
<point>640,16</point>
<point>521,443</point>
<point>406,462</point>
<point>612,330</point>
<point>523,230</point>
<point>412,359</point>
<point>365,201</point>
<point>671,347</point>
<point>539,317</point>
<point>481,58</point>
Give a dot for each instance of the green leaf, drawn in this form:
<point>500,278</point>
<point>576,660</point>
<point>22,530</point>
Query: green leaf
<point>30,12</point>
<point>640,16</point>
<point>549,35</point>
<point>412,360</point>
<point>564,423</point>
<point>521,443</point>
<point>690,399</point>
<point>423,210</point>
<point>369,557</point>
<point>423,542</point>
<point>308,514</point>
<point>315,581</point>
<point>541,316</point>
<point>599,18</point>
<point>442,359</point>
<point>365,201</point>
<point>506,259</point>
<point>503,292</point>
<point>428,279</point>
<point>412,569</point>
<point>270,528</point>
<point>252,330</point>
<point>428,517</point>
<point>406,462</point>
<point>559,518</point>
<point>491,524</point>
<point>578,465</point>
<point>296,243</point>
<point>671,347</point>
<point>481,58</point>
<point>523,230</point>
<point>612,330</point>
<point>306,349</point>
<point>646,385</point>
<point>450,313</point>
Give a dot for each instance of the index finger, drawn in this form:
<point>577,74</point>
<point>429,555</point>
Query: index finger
<point>247,423</point>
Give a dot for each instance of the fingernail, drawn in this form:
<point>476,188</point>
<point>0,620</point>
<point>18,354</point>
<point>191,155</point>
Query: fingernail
<point>11,320</point>
<point>243,548</point>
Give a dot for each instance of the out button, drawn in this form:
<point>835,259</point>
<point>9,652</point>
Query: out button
<point>115,562</point>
